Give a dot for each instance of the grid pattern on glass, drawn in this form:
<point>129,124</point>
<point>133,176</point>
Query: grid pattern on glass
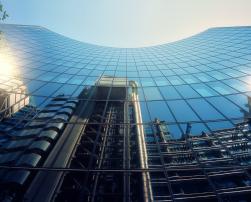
<point>215,63</point>
<point>51,85</point>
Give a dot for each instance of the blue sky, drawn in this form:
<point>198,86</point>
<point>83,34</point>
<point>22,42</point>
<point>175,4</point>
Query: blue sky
<point>129,23</point>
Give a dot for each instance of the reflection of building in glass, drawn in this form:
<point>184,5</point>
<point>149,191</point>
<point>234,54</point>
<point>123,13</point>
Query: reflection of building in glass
<point>110,140</point>
<point>169,123</point>
<point>12,97</point>
<point>26,138</point>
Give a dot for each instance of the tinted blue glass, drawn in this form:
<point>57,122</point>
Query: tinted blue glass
<point>241,100</point>
<point>189,79</point>
<point>175,131</point>
<point>219,125</point>
<point>72,71</point>
<point>145,74</point>
<point>48,76</point>
<point>144,112</point>
<point>155,73</point>
<point>34,74</point>
<point>204,77</point>
<point>63,78</point>
<point>175,80</point>
<point>169,92</point>
<point>182,111</point>
<point>232,72</point>
<point>147,82</point>
<point>224,106</point>
<point>152,93</point>
<point>221,88</point>
<point>186,91</point>
<point>167,72</point>
<point>161,81</point>
<point>196,129</point>
<point>204,109</point>
<point>204,90</point>
<point>159,109</point>
<point>90,80</point>
<point>76,80</point>
<point>201,66</point>
<point>141,94</point>
<point>34,85</point>
<point>48,89</point>
<point>218,75</point>
<point>66,90</point>
<point>238,85</point>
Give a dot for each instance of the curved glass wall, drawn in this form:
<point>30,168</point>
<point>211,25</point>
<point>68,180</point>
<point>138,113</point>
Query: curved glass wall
<point>203,80</point>
<point>116,124</point>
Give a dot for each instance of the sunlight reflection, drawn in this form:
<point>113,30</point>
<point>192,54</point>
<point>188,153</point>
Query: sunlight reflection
<point>13,92</point>
<point>8,65</point>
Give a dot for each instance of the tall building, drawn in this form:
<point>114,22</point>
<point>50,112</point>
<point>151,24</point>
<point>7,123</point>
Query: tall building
<point>81,122</point>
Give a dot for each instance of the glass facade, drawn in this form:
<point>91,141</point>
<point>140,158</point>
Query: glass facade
<point>157,101</point>
<point>205,75</point>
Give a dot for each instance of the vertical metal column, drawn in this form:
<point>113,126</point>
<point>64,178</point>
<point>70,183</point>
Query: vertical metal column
<point>147,189</point>
<point>126,154</point>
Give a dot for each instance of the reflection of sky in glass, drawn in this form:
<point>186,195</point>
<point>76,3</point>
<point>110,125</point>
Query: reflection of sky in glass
<point>193,80</point>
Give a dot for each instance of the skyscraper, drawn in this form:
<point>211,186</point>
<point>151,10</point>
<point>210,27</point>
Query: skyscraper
<point>92,123</point>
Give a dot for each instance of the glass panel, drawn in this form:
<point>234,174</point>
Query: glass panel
<point>186,91</point>
<point>147,82</point>
<point>161,81</point>
<point>219,125</point>
<point>169,92</point>
<point>76,80</point>
<point>221,88</point>
<point>196,129</point>
<point>226,107</point>
<point>241,100</point>
<point>204,109</point>
<point>238,85</point>
<point>175,80</point>
<point>63,78</point>
<point>218,75</point>
<point>152,93</point>
<point>189,79</point>
<point>204,77</point>
<point>159,109</point>
<point>48,76</point>
<point>48,89</point>
<point>204,90</point>
<point>182,111</point>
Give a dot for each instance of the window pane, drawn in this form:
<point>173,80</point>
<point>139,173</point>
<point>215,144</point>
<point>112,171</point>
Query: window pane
<point>175,80</point>
<point>204,90</point>
<point>187,92</point>
<point>226,107</point>
<point>159,109</point>
<point>182,111</point>
<point>204,109</point>
<point>169,92</point>
<point>152,93</point>
<point>238,85</point>
<point>221,88</point>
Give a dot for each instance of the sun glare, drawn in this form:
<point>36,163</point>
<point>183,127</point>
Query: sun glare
<point>7,66</point>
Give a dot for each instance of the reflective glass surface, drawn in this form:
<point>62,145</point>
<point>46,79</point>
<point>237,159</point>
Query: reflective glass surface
<point>204,79</point>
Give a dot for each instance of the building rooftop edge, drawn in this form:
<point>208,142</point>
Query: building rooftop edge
<point>114,47</point>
